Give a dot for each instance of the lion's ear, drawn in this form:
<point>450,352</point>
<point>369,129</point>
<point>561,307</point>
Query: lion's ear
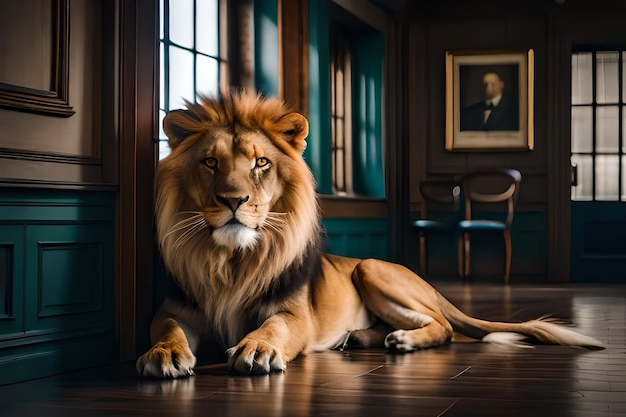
<point>293,128</point>
<point>176,125</point>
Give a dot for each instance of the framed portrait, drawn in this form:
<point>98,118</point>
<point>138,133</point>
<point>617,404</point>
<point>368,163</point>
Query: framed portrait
<point>489,100</point>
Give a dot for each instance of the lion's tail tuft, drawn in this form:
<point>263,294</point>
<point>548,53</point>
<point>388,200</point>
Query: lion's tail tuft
<point>552,333</point>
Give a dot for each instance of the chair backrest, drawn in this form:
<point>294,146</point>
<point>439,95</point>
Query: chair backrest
<point>442,194</point>
<point>491,186</point>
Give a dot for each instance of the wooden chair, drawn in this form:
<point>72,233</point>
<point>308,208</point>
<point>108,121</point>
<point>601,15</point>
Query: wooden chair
<point>481,189</point>
<point>440,195</point>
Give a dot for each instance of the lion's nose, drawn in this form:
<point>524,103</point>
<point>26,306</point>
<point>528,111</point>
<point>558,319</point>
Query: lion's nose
<point>233,202</point>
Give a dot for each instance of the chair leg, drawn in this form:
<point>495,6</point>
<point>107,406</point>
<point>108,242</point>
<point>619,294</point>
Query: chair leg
<point>466,253</point>
<point>507,256</point>
<point>422,240</point>
<point>461,258</point>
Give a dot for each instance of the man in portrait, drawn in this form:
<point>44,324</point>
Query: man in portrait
<point>497,110</point>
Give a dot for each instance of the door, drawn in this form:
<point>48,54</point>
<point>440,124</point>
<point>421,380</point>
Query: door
<point>598,146</point>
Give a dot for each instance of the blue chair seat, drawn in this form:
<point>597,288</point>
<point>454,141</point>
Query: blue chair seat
<point>427,224</point>
<point>469,225</point>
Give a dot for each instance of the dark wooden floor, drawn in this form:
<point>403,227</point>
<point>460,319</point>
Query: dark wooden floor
<point>463,379</point>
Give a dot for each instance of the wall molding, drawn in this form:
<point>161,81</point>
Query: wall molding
<point>57,185</point>
<point>59,158</point>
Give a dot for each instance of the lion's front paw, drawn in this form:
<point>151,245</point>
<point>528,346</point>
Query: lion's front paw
<point>167,360</point>
<point>255,357</point>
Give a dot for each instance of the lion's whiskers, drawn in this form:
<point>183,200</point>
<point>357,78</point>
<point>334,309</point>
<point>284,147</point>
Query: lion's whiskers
<point>189,234</point>
<point>184,223</point>
<point>276,221</point>
<point>190,226</point>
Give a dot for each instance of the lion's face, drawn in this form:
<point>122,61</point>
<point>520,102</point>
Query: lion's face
<point>234,181</point>
<point>234,168</point>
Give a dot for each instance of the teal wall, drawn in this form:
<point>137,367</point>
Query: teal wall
<point>56,276</point>
<point>317,153</point>
<point>358,238</point>
<point>367,66</point>
<point>266,46</point>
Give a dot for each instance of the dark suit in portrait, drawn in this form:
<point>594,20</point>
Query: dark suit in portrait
<point>503,116</point>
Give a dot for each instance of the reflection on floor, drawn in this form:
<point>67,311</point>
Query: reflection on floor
<point>463,379</point>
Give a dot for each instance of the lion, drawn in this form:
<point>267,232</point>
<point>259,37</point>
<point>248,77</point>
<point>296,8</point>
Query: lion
<point>238,225</point>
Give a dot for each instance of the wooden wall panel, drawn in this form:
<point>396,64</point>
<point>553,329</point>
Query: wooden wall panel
<point>429,158</point>
<point>12,251</point>
<point>40,148</point>
<point>58,251</point>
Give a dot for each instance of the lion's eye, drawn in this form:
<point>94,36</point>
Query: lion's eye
<point>262,162</point>
<point>210,162</point>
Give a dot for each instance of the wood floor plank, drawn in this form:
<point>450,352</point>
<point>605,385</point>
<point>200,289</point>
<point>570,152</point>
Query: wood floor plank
<point>459,380</point>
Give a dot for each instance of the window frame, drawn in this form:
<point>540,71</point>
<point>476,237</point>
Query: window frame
<point>594,105</point>
<point>364,147</point>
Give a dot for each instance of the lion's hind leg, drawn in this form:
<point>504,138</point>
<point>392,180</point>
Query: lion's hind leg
<point>392,293</point>
<point>431,335</point>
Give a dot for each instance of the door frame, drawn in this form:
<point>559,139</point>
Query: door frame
<point>137,106</point>
<point>558,170</point>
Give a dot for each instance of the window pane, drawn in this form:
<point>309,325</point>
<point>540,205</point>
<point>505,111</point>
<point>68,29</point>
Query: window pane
<point>584,189</point>
<point>340,183</point>
<point>207,75</point>
<point>161,20</point>
<point>607,177</point>
<point>339,134</point>
<point>582,140</point>
<point>624,129</point>
<point>207,27</point>
<point>181,22</point>
<point>161,76</point>
<point>607,86</point>
<point>623,76</point>
<point>181,77</point>
<point>581,78</point>
<point>162,134</point>
<point>164,148</point>
<point>339,93</point>
<point>607,129</point>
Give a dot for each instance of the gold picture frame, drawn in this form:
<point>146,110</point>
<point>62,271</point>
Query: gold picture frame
<point>489,100</point>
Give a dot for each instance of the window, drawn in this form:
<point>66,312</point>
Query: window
<point>598,125</point>
<point>191,55</point>
<point>356,59</point>
<point>341,114</point>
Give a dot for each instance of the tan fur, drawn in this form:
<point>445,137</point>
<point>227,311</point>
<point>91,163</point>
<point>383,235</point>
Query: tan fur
<point>239,158</point>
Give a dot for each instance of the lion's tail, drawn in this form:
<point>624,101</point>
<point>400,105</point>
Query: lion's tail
<point>543,330</point>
